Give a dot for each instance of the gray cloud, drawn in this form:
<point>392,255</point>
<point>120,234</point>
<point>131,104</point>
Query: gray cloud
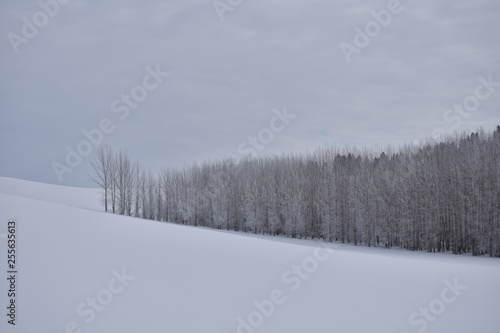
<point>227,77</point>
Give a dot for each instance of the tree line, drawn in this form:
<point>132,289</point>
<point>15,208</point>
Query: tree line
<point>440,196</point>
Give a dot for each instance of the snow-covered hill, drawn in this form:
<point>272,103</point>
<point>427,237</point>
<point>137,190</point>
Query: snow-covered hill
<point>87,198</point>
<point>80,270</point>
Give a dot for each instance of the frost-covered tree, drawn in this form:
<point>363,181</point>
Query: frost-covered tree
<point>102,165</point>
<point>438,196</point>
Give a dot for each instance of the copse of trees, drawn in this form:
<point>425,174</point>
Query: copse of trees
<point>437,197</point>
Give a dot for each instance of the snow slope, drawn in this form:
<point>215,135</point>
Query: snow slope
<point>86,271</point>
<point>88,198</point>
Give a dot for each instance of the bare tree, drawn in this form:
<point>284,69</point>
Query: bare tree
<point>102,164</point>
<point>438,196</point>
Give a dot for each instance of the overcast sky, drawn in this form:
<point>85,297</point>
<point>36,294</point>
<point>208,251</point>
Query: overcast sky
<point>228,79</point>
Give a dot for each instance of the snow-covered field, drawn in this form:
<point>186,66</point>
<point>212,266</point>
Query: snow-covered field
<point>81,270</point>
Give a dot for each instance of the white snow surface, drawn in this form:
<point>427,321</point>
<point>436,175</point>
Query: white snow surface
<point>88,198</point>
<point>187,279</point>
